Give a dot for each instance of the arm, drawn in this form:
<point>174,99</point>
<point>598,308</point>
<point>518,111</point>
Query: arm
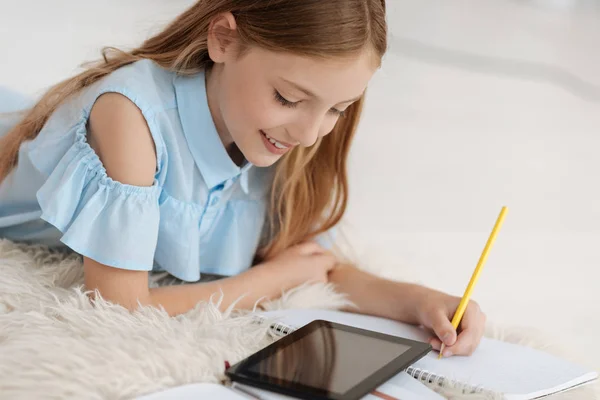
<point>415,305</point>
<point>373,295</point>
<point>130,287</point>
<point>302,263</point>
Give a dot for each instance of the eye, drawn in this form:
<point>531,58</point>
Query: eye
<point>291,104</point>
<point>337,113</point>
<point>283,101</point>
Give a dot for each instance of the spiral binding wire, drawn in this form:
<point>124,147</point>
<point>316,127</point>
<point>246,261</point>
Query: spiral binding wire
<point>281,329</point>
<point>444,382</point>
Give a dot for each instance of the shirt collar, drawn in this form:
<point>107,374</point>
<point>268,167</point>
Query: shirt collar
<point>202,137</point>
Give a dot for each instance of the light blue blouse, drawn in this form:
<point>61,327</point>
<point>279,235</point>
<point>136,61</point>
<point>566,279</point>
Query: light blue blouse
<point>203,213</point>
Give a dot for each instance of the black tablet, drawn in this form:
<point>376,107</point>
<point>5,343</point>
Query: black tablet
<point>326,360</point>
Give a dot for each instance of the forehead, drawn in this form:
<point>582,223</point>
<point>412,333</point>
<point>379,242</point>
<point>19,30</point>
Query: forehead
<point>333,79</point>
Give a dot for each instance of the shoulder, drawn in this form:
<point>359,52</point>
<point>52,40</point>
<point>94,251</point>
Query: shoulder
<point>144,82</point>
<point>119,133</point>
<point>125,118</point>
<point>122,126</point>
<point>140,73</point>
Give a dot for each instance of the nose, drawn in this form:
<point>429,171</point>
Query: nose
<point>306,131</point>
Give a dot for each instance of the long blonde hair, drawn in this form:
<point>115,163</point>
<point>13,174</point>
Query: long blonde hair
<point>310,188</point>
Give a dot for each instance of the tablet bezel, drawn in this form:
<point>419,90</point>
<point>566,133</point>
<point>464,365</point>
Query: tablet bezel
<point>239,372</point>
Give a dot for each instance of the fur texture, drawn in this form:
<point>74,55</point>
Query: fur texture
<point>56,344</point>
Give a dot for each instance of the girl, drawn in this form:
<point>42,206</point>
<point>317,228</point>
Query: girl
<point>218,145</point>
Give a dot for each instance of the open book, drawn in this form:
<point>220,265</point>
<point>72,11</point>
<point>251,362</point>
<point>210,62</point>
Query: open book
<point>496,368</point>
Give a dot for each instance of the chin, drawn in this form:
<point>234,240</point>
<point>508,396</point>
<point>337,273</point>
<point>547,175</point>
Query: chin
<point>262,161</point>
<point>260,158</point>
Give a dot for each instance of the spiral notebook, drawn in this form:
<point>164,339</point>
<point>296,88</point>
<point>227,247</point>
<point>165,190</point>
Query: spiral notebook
<point>497,369</point>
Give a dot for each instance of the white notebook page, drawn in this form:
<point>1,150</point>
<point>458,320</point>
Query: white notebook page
<point>517,371</point>
<point>195,391</point>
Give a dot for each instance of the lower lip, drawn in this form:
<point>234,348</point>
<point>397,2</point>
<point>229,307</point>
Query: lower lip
<point>271,147</point>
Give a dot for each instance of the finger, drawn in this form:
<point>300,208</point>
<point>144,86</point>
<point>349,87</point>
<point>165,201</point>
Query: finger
<point>474,319</point>
<point>443,328</point>
<point>435,343</point>
<point>465,345</point>
<point>473,326</point>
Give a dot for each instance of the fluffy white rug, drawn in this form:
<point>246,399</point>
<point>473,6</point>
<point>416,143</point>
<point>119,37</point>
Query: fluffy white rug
<point>54,344</point>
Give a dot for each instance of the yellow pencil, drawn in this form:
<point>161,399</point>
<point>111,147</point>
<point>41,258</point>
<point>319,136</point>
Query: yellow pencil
<point>462,306</point>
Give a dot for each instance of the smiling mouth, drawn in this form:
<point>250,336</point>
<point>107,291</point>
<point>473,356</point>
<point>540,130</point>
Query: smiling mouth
<point>276,143</point>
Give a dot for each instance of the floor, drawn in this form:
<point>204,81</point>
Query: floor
<point>479,104</point>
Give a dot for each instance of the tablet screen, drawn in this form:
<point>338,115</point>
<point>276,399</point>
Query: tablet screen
<point>328,359</point>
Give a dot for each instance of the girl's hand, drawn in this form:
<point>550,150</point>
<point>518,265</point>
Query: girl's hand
<point>306,262</point>
<point>434,310</point>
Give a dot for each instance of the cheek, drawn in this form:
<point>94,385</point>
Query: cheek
<point>236,102</point>
<point>250,108</point>
<point>269,115</point>
<point>259,112</point>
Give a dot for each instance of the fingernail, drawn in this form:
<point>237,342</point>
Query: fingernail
<point>447,337</point>
<point>447,353</point>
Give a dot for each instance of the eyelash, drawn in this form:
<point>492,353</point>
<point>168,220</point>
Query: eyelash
<point>286,103</point>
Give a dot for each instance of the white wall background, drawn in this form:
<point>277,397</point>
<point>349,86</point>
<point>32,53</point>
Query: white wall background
<point>479,104</point>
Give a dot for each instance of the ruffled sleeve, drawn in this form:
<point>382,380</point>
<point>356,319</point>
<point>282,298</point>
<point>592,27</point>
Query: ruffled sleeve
<point>112,223</point>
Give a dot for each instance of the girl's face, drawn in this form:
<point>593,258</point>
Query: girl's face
<point>267,102</point>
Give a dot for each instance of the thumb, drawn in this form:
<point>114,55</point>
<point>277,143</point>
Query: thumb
<point>443,328</point>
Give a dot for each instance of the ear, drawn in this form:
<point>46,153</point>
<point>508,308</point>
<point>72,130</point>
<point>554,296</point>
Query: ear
<point>221,35</point>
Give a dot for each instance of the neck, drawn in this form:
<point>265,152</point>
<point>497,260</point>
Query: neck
<point>212,77</point>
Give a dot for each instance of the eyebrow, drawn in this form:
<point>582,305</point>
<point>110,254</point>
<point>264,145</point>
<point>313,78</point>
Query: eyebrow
<point>311,94</point>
